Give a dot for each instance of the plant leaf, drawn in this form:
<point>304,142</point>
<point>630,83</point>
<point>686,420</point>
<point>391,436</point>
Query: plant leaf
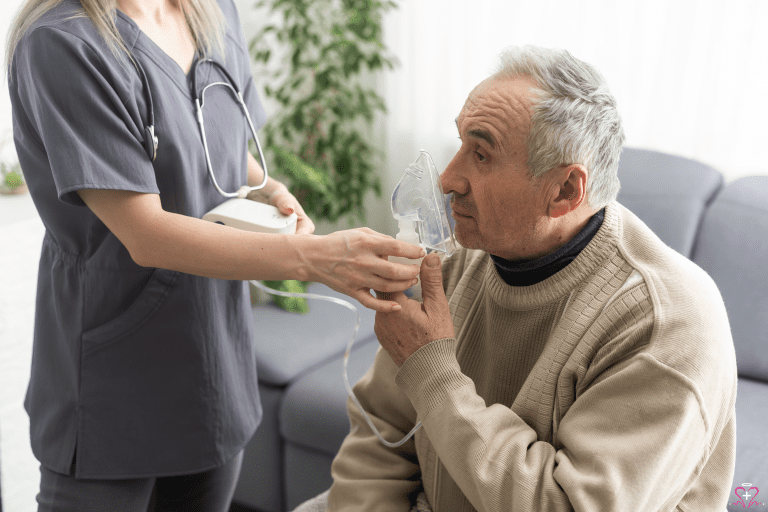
<point>290,304</point>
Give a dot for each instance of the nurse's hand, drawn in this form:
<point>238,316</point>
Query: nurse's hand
<point>354,262</point>
<point>277,194</point>
<point>284,201</point>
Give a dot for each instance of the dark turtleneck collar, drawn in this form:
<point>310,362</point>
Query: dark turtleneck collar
<point>532,271</point>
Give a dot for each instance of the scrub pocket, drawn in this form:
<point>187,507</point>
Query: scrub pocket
<point>144,401</point>
<point>146,305</point>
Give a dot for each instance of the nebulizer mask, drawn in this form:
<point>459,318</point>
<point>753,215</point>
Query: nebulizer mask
<point>418,203</point>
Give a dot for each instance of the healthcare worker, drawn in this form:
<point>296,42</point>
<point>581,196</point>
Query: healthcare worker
<point>143,387</point>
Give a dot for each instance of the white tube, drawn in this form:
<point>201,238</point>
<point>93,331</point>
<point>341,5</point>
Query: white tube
<point>351,393</point>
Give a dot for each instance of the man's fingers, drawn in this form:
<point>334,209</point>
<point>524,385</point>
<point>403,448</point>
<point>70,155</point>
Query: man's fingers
<point>397,297</point>
<point>384,295</point>
<point>431,274</point>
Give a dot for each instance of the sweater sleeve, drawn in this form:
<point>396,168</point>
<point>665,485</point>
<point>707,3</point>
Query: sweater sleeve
<point>632,441</point>
<point>366,474</point>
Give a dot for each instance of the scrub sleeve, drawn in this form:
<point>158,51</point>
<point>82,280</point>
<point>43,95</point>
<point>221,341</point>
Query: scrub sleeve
<point>136,372</point>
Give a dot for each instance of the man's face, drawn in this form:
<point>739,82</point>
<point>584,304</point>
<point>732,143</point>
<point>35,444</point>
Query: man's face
<point>497,207</point>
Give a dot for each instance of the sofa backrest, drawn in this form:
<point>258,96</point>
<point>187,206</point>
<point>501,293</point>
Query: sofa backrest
<point>669,193</point>
<point>732,248</point>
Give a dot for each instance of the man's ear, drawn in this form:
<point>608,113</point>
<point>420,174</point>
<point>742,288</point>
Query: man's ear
<point>570,190</point>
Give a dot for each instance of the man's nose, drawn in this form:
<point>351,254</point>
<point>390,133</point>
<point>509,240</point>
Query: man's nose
<point>451,179</point>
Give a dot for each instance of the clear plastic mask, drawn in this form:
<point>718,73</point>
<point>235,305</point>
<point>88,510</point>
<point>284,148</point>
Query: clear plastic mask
<point>419,198</point>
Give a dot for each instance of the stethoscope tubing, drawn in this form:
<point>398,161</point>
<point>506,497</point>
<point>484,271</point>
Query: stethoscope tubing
<point>152,143</point>
<point>200,103</point>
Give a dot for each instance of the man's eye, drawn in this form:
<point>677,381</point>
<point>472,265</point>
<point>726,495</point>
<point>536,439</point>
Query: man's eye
<point>480,156</point>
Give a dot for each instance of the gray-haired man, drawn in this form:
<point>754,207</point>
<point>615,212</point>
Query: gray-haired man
<point>565,359</point>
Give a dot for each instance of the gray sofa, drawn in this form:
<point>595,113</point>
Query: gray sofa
<point>722,227</point>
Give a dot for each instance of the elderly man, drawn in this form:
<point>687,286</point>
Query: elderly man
<point>564,358</point>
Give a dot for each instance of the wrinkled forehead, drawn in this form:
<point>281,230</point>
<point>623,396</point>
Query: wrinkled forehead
<point>500,106</point>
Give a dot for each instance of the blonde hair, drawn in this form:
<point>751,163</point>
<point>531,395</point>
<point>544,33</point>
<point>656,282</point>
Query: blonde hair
<point>204,18</point>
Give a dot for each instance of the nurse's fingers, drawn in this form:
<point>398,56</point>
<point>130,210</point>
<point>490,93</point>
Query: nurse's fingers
<point>304,226</point>
<point>284,201</point>
<point>388,246</point>
<point>382,303</point>
<point>369,231</point>
<point>287,204</point>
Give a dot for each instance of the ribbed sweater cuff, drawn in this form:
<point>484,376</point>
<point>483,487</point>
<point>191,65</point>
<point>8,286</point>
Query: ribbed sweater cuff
<point>430,374</point>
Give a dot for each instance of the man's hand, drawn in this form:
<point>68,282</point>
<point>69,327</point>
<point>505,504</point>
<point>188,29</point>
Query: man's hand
<point>401,333</point>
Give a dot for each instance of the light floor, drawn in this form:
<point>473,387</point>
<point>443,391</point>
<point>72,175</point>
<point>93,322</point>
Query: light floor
<point>16,208</point>
<point>21,234</point>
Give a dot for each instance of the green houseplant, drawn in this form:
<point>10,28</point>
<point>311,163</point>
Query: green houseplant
<point>11,176</point>
<point>11,179</point>
<point>318,62</point>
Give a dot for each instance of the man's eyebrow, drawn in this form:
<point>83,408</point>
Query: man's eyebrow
<point>480,134</point>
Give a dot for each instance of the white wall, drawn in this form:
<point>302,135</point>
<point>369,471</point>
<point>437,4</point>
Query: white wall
<point>8,9</point>
<point>689,75</point>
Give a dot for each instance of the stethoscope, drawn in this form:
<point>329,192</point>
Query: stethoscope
<point>151,140</point>
<point>150,144</point>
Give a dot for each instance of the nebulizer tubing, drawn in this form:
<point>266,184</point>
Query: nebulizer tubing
<point>418,198</point>
<point>351,393</point>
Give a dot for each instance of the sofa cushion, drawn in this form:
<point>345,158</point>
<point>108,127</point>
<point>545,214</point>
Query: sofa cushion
<point>288,344</point>
<point>751,446</point>
<point>260,485</point>
<point>668,193</point>
<point>733,248</point>
<point>314,412</point>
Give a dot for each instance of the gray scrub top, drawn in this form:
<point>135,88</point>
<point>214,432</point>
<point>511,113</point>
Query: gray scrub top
<point>136,371</point>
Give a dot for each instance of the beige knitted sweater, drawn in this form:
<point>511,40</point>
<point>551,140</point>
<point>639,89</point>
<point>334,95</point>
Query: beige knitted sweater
<point>610,386</point>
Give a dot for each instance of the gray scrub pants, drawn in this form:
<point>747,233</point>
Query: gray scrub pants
<point>209,491</point>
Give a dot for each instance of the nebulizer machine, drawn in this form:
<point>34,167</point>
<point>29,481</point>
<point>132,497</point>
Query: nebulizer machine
<point>418,205</point>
